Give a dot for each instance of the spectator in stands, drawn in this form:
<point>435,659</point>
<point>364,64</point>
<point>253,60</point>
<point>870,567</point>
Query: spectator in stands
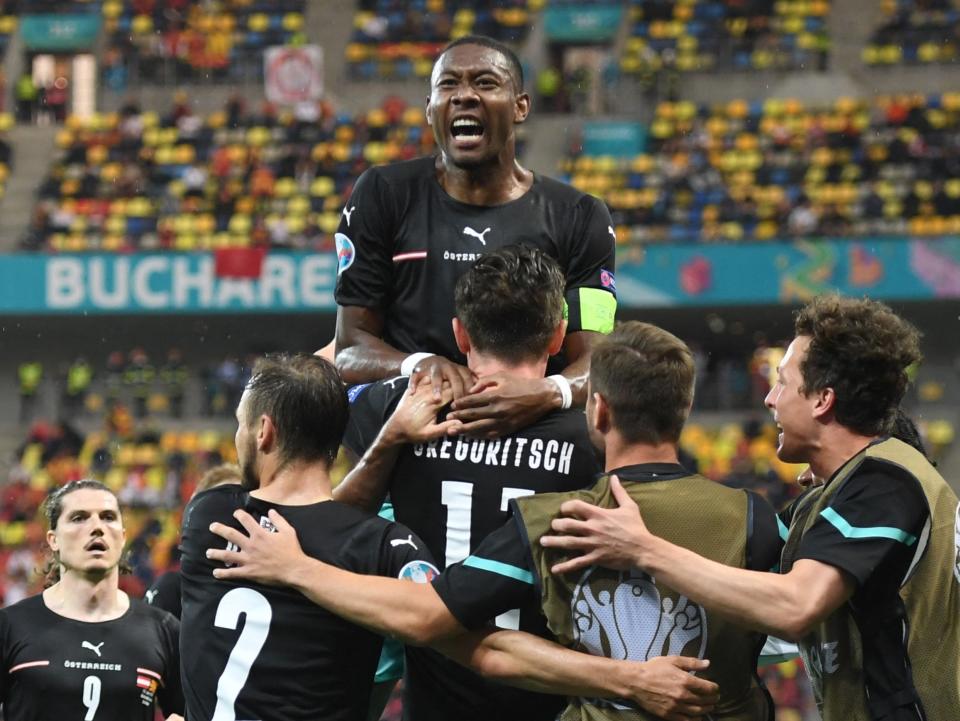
<point>174,376</point>
<point>138,376</point>
<point>77,381</point>
<point>29,376</point>
<point>26,92</point>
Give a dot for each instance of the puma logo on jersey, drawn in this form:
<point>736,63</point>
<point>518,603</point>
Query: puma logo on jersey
<point>408,541</point>
<point>150,595</point>
<point>95,649</point>
<point>348,213</point>
<point>268,524</point>
<point>479,236</point>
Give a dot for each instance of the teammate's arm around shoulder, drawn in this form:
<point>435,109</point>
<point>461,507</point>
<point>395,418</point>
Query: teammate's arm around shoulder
<point>413,613</point>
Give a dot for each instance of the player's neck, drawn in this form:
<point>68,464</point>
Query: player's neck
<point>619,453</point>
<point>295,484</point>
<point>486,365</point>
<point>494,184</point>
<point>83,598</point>
<point>836,445</point>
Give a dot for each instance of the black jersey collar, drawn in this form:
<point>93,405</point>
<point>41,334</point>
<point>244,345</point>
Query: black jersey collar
<point>648,472</point>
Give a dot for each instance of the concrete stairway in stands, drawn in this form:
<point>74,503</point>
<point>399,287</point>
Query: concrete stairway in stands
<point>33,151</point>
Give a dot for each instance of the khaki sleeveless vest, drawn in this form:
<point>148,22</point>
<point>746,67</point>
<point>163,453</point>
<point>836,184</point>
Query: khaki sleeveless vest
<point>833,652</point>
<point>628,615</point>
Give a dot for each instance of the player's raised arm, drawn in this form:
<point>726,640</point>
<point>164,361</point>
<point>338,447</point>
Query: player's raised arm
<point>363,355</point>
<point>413,421</point>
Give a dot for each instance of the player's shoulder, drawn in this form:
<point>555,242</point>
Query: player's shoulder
<point>564,193</point>
<point>387,388</point>
<point>143,614</point>
<point>561,425</point>
<point>213,504</point>
<point>29,611</point>
<point>404,172</point>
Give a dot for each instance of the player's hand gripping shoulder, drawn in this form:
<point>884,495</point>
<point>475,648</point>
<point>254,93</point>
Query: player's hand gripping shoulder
<point>415,418</point>
<point>499,404</point>
<point>611,537</point>
<point>262,556</point>
<point>441,373</point>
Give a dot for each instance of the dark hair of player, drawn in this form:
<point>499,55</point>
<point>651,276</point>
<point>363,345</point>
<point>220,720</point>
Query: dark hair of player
<point>904,429</point>
<point>218,476</point>
<point>510,302</point>
<point>52,509</point>
<point>646,376</point>
<point>861,349</point>
<point>304,397</point>
<point>516,69</point>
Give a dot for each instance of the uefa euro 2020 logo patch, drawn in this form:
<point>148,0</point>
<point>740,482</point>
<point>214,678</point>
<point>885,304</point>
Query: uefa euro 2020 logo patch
<point>419,572</point>
<point>346,252</point>
<point>607,280</point>
<point>623,616</point>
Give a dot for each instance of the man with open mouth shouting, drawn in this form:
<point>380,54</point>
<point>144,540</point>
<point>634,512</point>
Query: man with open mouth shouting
<point>411,229</point>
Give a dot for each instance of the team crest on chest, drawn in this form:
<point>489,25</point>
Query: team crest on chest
<point>622,615</point>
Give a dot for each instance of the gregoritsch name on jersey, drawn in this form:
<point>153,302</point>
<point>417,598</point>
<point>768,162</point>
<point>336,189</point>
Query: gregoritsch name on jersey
<point>533,453</point>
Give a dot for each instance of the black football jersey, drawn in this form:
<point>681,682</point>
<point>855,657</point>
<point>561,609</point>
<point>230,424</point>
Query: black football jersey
<point>403,242</point>
<point>165,592</point>
<point>453,493</point>
<point>54,668</point>
<point>266,652</point>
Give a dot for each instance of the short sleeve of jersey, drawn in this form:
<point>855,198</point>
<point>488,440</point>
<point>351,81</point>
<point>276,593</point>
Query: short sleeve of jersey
<point>763,539</point>
<point>165,593</point>
<point>591,292</point>
<point>875,518</point>
<point>497,577</point>
<point>171,695</point>
<point>400,552</point>
<point>364,241</point>
<point>370,406</point>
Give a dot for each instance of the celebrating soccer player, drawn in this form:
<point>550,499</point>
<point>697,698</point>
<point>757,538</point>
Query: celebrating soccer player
<point>410,229</point>
<point>83,649</point>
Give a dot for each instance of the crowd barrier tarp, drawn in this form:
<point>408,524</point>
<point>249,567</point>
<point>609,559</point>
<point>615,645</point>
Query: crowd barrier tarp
<point>163,283</point>
<point>788,273</point>
<point>654,276</point>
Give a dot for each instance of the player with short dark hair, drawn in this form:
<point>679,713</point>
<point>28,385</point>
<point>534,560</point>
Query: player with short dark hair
<point>453,491</point>
<point>410,229</point>
<point>83,649</point>
<point>869,583</point>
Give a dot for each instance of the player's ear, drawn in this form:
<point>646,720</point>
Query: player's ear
<point>521,108</point>
<point>824,402</point>
<point>556,340</point>
<point>602,418</point>
<point>266,434</point>
<point>461,336</point>
<point>52,541</point>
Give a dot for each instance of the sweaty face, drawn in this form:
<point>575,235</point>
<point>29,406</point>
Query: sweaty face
<point>474,105</point>
<point>792,411</point>
<point>89,536</point>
